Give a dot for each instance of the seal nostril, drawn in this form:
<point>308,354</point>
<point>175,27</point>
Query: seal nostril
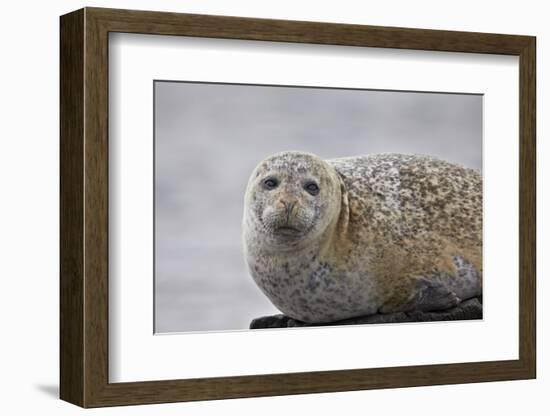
<point>289,206</point>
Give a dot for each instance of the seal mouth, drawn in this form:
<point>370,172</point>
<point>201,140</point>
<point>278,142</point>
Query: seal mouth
<point>287,231</point>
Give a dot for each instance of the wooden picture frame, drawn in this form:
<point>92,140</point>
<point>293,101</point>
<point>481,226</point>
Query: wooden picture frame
<point>84,207</point>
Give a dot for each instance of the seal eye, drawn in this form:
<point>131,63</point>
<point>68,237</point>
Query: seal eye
<point>312,188</point>
<point>270,183</point>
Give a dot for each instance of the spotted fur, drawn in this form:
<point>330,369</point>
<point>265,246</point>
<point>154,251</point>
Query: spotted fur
<point>387,233</point>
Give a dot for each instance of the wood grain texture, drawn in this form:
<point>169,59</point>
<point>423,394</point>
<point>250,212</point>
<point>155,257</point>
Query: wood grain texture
<point>96,229</point>
<point>162,23</point>
<point>84,207</point>
<point>527,208</point>
<point>71,101</point>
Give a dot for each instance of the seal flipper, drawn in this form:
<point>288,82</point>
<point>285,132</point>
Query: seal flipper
<point>435,296</point>
<point>425,295</point>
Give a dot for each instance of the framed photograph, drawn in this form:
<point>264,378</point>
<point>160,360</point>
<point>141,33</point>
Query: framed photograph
<point>254,207</point>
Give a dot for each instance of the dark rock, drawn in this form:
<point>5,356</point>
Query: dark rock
<point>467,310</point>
<point>273,321</point>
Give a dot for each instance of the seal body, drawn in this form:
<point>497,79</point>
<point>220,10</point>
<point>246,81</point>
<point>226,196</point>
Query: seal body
<point>330,240</point>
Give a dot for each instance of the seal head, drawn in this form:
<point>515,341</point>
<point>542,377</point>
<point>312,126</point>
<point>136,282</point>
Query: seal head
<point>291,200</point>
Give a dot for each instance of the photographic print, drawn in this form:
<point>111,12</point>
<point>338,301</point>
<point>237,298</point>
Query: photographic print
<point>294,206</point>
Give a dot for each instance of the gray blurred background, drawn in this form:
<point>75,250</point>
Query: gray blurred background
<point>209,137</point>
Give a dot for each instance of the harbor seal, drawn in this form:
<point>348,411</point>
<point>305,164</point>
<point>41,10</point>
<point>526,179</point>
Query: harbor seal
<point>327,240</point>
